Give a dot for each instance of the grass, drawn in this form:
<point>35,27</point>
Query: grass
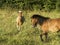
<point>27,35</point>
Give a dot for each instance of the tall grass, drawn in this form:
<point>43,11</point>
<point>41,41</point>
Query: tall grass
<point>9,34</point>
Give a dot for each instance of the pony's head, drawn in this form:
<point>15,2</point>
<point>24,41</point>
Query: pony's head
<point>38,19</point>
<point>20,13</point>
<point>34,20</point>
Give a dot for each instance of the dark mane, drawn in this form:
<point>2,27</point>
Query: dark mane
<point>40,18</point>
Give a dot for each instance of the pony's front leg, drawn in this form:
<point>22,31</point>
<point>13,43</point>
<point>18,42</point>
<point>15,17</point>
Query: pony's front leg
<point>46,34</point>
<point>18,27</point>
<point>41,37</point>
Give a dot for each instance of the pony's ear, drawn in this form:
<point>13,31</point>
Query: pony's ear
<point>48,17</point>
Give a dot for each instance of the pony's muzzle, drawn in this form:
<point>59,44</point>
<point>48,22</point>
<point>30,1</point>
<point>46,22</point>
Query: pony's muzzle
<point>33,26</point>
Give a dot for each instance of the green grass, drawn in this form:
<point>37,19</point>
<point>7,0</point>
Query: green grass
<point>27,35</point>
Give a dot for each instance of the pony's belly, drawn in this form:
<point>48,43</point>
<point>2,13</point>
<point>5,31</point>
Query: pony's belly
<point>53,29</point>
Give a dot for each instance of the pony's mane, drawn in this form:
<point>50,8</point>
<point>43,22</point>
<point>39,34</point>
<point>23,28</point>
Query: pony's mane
<point>40,18</point>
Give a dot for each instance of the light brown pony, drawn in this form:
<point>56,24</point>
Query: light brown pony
<point>46,24</point>
<point>20,20</point>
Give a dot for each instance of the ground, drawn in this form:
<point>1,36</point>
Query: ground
<point>9,34</point>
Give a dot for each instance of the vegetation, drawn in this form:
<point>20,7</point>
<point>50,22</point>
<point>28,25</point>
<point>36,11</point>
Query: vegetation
<point>46,5</point>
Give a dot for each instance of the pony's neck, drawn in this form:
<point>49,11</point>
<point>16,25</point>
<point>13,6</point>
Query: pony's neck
<point>42,20</point>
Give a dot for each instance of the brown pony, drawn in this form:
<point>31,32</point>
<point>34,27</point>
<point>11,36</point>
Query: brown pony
<point>46,24</point>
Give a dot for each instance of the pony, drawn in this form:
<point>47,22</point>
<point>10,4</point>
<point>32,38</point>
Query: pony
<point>20,20</point>
<point>46,24</point>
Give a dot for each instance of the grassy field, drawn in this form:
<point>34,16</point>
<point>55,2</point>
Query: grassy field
<point>9,34</point>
